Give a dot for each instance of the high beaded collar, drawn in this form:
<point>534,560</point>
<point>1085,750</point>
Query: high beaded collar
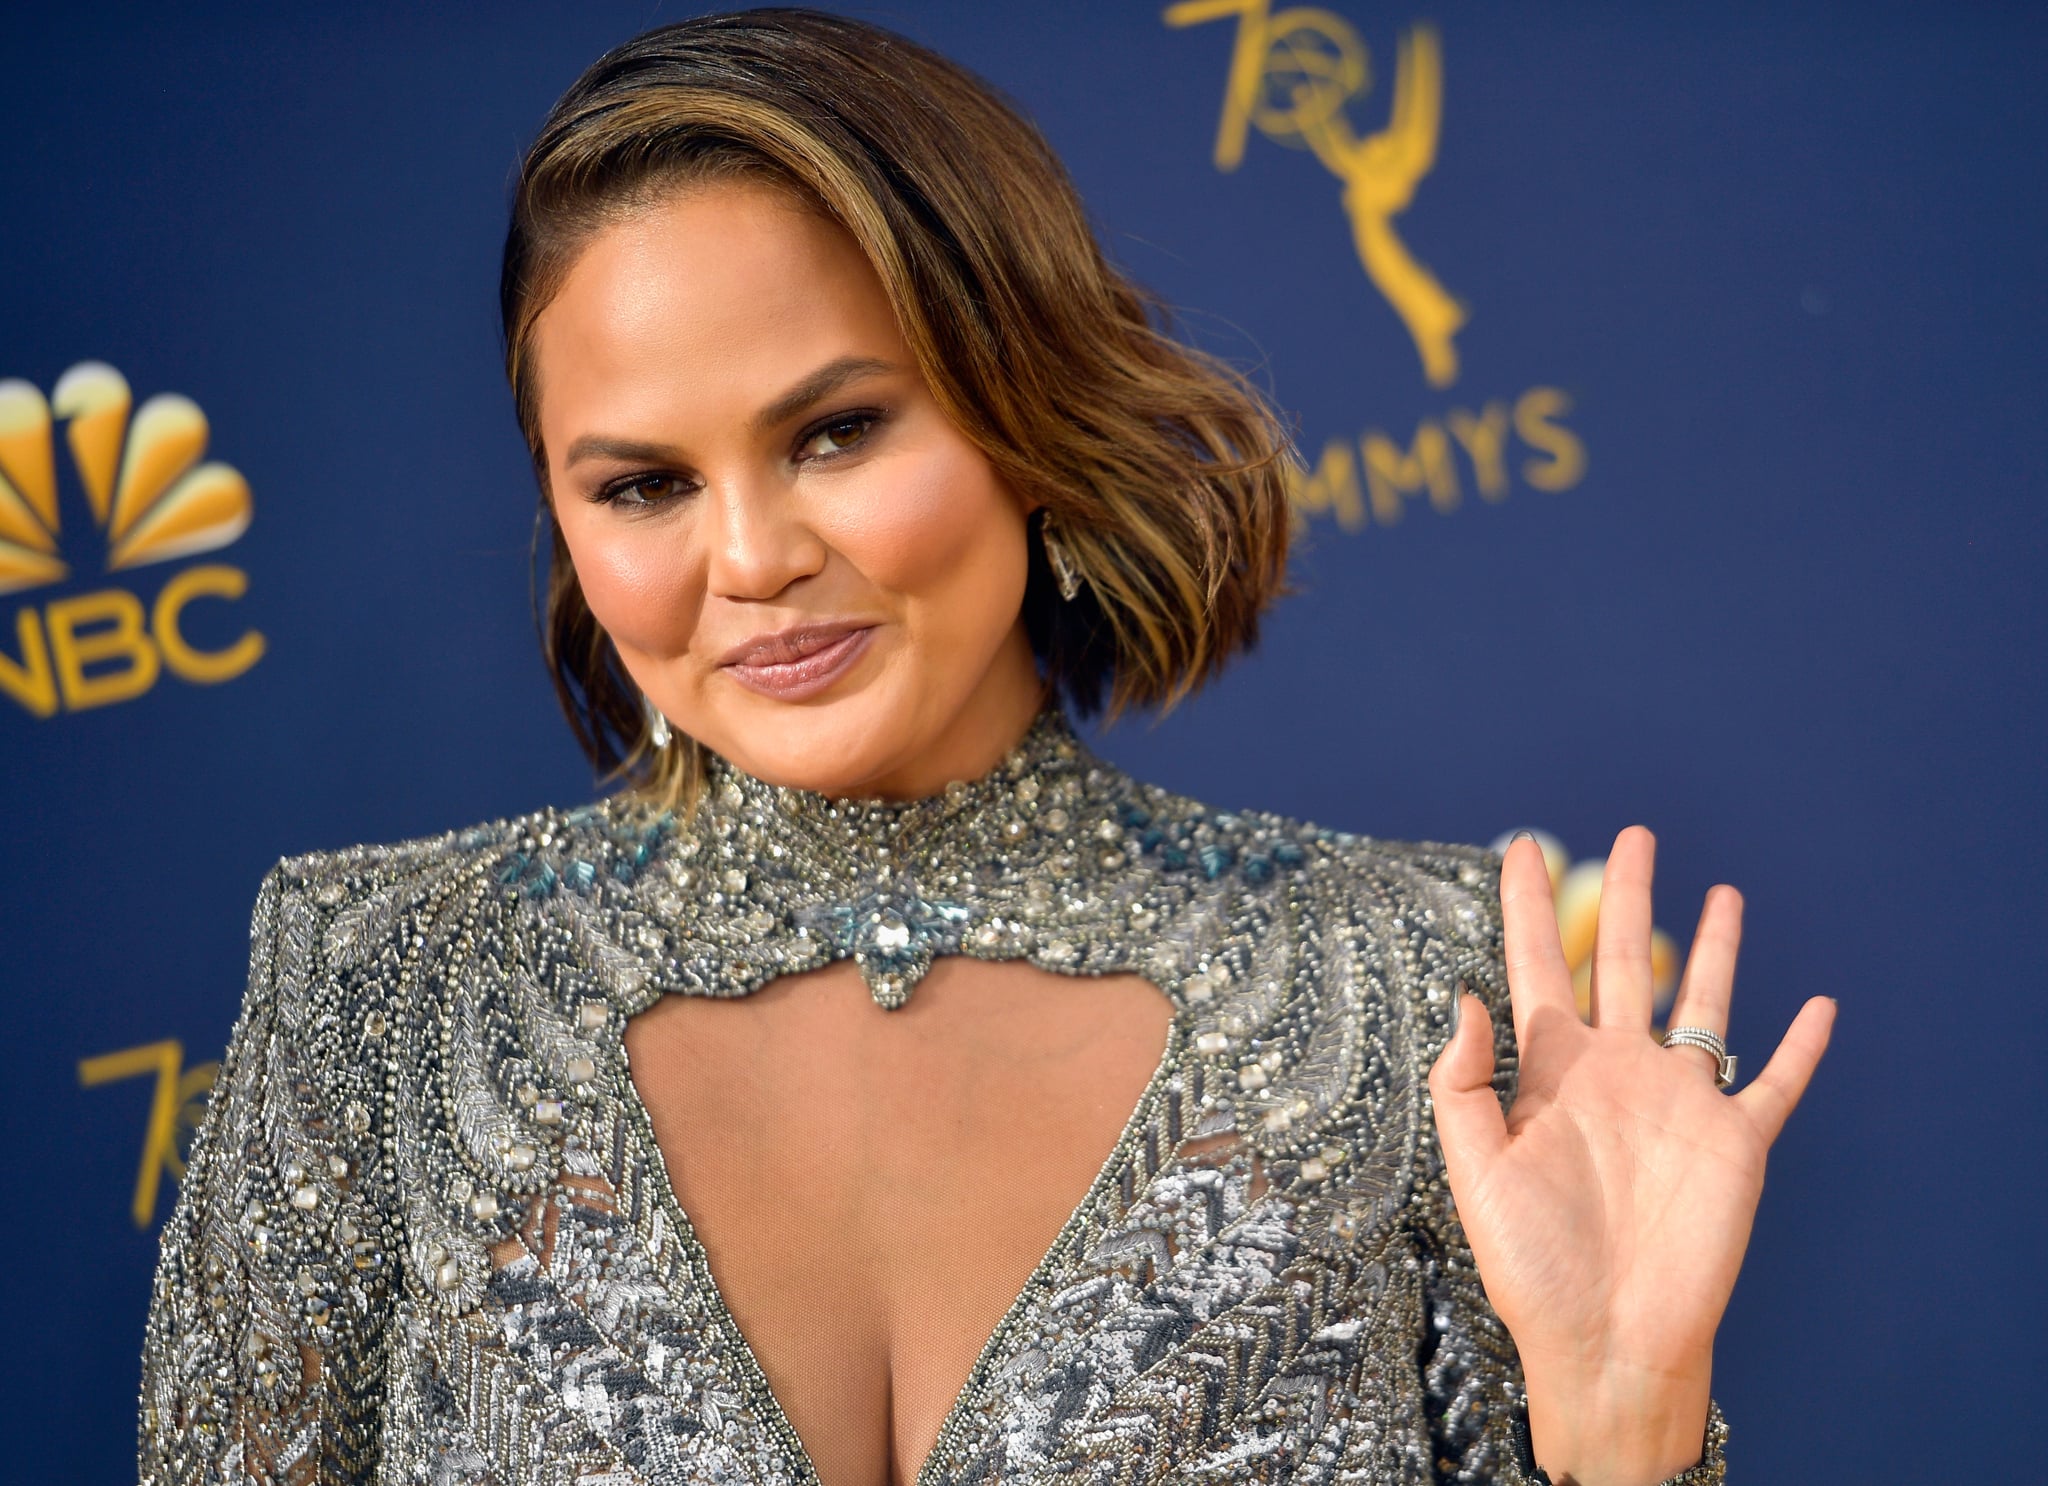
<point>1030,790</point>
<point>895,883</point>
<point>1053,856</point>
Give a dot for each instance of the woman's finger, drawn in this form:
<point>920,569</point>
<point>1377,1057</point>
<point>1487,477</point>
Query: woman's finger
<point>1770,1099</point>
<point>1539,980</point>
<point>1623,987</point>
<point>1709,981</point>
<point>1469,1123</point>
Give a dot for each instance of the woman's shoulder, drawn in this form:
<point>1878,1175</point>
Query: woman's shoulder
<point>358,912</point>
<point>526,853</point>
<point>1423,884</point>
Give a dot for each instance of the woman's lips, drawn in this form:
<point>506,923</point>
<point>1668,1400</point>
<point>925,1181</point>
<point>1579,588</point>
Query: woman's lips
<point>798,663</point>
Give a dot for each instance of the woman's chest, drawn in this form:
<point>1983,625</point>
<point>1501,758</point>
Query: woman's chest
<point>875,1189</point>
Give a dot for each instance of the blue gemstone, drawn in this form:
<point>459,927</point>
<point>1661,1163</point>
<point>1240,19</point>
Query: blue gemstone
<point>1287,854</point>
<point>1215,859</point>
<point>1172,858</point>
<point>1257,869</point>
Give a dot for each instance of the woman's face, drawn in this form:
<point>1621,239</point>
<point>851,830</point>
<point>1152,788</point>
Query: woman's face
<point>802,562</point>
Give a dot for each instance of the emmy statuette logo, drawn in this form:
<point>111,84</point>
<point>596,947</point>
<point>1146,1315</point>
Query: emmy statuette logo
<point>1292,76</point>
<point>152,500</point>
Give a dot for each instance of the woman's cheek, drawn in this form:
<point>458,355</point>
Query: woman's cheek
<point>924,525</point>
<point>639,588</point>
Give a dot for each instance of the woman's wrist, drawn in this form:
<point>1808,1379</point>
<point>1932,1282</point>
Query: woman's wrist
<point>1620,1427</point>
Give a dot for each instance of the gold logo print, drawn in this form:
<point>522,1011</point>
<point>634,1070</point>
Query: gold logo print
<point>153,501</point>
<point>140,480</point>
<point>1291,74</point>
<point>175,1110</point>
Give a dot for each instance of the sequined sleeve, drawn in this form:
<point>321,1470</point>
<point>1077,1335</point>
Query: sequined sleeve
<point>1473,1388</point>
<point>263,1357</point>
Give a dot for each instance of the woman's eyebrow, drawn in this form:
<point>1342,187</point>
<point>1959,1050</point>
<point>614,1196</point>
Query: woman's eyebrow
<point>821,383</point>
<point>597,446</point>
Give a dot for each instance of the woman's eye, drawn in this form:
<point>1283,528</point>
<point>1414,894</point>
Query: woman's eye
<point>838,436</point>
<point>643,490</point>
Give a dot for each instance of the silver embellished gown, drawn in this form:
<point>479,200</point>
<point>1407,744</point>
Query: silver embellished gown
<point>426,1236</point>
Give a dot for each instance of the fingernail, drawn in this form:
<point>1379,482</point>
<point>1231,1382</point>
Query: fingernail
<point>1457,1008</point>
<point>1523,835</point>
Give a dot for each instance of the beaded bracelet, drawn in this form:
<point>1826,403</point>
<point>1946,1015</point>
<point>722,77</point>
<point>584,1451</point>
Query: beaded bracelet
<point>1711,1470</point>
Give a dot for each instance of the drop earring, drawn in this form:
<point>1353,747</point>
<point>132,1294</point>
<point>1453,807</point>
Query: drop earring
<point>1066,573</point>
<point>657,725</point>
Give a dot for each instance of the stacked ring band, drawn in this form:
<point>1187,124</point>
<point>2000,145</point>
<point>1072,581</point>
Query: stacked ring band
<point>1724,1070</point>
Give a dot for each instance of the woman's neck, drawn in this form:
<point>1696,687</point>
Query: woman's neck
<point>993,721</point>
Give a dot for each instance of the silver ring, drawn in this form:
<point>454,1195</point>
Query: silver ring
<point>1724,1070</point>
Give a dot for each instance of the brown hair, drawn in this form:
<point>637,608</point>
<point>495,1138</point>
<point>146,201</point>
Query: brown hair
<point>1164,469</point>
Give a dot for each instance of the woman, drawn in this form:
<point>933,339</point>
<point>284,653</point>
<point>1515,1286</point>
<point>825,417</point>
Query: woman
<point>883,1086</point>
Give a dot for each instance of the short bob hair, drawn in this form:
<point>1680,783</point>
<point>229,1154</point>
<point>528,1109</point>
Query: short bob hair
<point>1164,469</point>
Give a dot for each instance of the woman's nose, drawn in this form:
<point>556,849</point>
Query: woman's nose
<point>760,543</point>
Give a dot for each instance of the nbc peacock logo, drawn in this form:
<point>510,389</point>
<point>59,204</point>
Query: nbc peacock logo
<point>152,500</point>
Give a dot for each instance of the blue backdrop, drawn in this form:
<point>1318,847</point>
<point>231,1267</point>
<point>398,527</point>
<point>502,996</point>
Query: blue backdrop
<point>1675,395</point>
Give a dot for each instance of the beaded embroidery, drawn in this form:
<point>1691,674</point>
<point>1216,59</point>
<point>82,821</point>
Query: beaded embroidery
<point>426,1235</point>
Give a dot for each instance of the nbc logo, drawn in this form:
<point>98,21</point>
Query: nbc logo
<point>153,502</point>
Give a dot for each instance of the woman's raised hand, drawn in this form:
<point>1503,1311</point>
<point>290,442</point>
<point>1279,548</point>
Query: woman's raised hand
<point>1608,1212</point>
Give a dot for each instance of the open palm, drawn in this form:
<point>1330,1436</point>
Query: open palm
<point>1609,1209</point>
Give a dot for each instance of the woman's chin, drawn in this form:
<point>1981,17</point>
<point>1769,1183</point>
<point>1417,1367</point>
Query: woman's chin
<point>835,746</point>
